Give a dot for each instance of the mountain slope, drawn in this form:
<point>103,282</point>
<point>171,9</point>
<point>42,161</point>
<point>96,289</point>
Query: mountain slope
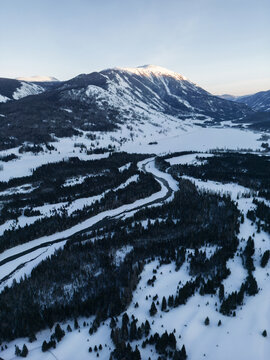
<point>11,89</point>
<point>108,99</point>
<point>168,92</point>
<point>258,102</point>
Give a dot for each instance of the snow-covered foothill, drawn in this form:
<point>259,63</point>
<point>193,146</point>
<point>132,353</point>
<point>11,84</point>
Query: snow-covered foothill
<point>27,89</point>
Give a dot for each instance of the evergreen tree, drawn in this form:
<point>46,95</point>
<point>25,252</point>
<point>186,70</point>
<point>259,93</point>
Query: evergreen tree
<point>172,341</point>
<point>112,323</point>
<point>139,332</point>
<point>24,352</point>
<point>147,328</point>
<point>17,351</point>
<point>76,324</point>
<point>136,354</point>
<point>153,309</point>
<point>171,301</point>
<point>206,321</point>
<point>164,304</point>
<point>45,346</point>
<point>249,264</point>
<point>133,331</point>
<point>58,333</point>
<point>265,258</point>
<point>221,292</point>
<point>124,328</point>
<point>184,353</point>
<point>251,285</point>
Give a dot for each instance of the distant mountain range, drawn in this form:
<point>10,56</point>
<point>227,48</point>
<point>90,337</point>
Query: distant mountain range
<point>103,101</point>
<point>228,97</point>
<point>258,102</point>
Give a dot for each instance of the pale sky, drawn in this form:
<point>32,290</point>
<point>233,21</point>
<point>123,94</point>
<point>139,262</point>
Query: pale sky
<point>221,45</point>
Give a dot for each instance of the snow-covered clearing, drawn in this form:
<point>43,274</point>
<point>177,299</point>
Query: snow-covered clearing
<point>21,221</point>
<point>195,138</point>
<point>27,162</point>
<point>190,159</point>
<point>76,180</point>
<point>23,189</point>
<point>231,189</point>
<point>124,167</point>
<point>133,178</point>
<point>166,134</point>
<point>121,254</point>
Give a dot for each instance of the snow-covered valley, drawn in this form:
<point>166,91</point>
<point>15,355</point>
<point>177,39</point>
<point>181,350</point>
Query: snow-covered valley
<point>137,223</point>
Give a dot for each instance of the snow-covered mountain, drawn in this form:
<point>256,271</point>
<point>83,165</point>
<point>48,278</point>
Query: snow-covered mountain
<point>258,102</point>
<point>11,89</point>
<point>148,89</point>
<point>108,99</point>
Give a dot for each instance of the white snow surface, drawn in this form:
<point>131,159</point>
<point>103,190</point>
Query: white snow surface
<point>150,70</point>
<point>237,338</point>
<point>133,178</point>
<point>27,89</point>
<point>29,161</point>
<point>121,254</point>
<point>23,189</point>
<point>190,159</point>
<point>3,99</point>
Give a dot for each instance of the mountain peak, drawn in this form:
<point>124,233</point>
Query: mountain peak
<point>152,70</point>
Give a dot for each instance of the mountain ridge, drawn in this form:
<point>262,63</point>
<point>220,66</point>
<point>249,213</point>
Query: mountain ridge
<point>259,101</point>
<point>102,101</point>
